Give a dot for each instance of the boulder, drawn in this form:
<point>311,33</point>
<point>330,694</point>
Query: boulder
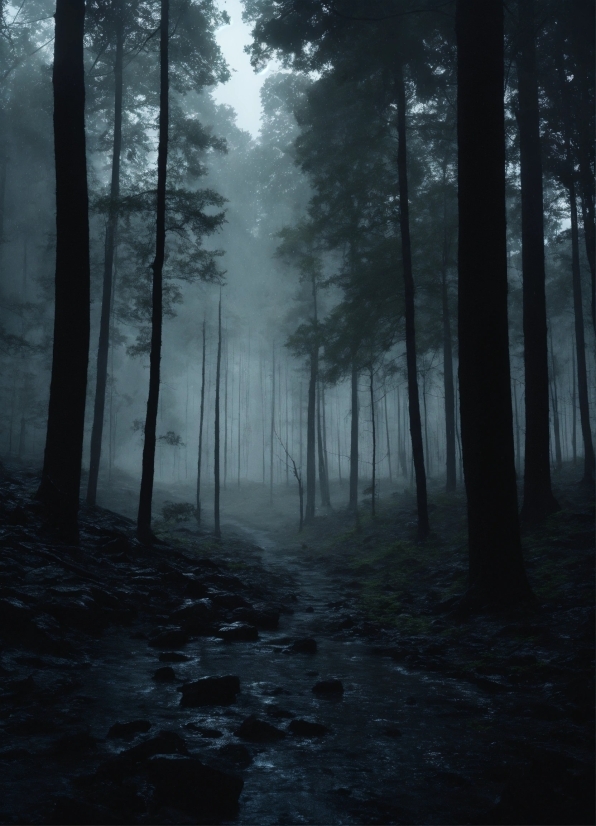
<point>328,688</point>
<point>238,632</point>
<point>126,731</point>
<point>165,675</point>
<point>305,646</point>
<point>210,691</point>
<point>258,731</point>
<point>172,638</point>
<point>187,784</point>
<point>304,728</point>
<point>268,619</point>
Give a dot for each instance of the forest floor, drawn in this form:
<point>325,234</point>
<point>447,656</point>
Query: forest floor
<point>106,715</point>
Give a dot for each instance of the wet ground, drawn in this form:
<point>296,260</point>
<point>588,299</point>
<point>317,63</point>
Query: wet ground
<point>414,737</point>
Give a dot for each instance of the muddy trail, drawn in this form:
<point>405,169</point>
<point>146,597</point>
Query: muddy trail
<point>327,712</point>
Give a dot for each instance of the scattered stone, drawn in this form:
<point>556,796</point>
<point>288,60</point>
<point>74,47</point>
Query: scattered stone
<point>187,784</point>
<point>211,733</point>
<point>236,753</point>
<point>328,688</point>
<point>165,675</point>
<point>210,691</point>
<point>266,619</point>
<point>174,638</point>
<point>74,743</point>
<point>229,601</point>
<point>312,673</point>
<point>173,657</point>
<point>165,742</point>
<point>411,701</point>
<point>238,632</point>
<point>279,713</point>
<point>69,810</point>
<point>258,731</point>
<point>126,731</point>
<point>304,728</point>
<point>392,731</point>
<point>305,646</point>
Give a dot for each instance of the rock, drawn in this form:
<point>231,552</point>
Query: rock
<point>75,743</point>
<point>229,601</point>
<point>165,675</point>
<point>328,688</point>
<point>238,632</point>
<point>305,646</point>
<point>126,731</point>
<point>210,691</point>
<point>187,784</point>
<point>173,638</point>
<point>237,753</point>
<point>312,673</point>
<point>165,742</point>
<point>69,810</point>
<point>392,731</point>
<point>210,733</point>
<point>173,657</point>
<point>258,731</point>
<point>411,701</point>
<point>195,588</point>
<point>266,619</point>
<point>279,713</point>
<point>195,617</point>
<point>304,728</point>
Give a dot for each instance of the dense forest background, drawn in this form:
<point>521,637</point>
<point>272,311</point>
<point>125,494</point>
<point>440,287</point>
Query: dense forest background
<point>325,277</point>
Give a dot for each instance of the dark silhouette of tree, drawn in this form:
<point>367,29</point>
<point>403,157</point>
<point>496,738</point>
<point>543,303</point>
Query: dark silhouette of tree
<point>538,499</point>
<point>144,514</point>
<point>201,417</point>
<point>108,273</point>
<point>217,427</point>
<point>61,474</point>
<point>496,562</point>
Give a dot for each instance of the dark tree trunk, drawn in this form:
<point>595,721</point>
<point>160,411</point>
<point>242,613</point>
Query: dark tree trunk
<point>496,562</point>
<point>451,476</point>
<point>353,502</point>
<point>580,344</point>
<point>61,475</point>
<point>374,440</point>
<point>573,406</point>
<point>590,239</point>
<point>310,439</point>
<point>413,398</point>
<point>387,437</point>
<point>323,479</point>
<point>538,499</point>
<point>216,439</point>
<point>144,515</point>
<point>225,451</point>
<point>556,424</point>
<point>201,416</point>
<point>272,427</point>
<point>106,301</point>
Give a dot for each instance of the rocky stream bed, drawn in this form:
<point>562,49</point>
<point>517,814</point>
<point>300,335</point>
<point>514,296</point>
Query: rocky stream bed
<point>256,681</point>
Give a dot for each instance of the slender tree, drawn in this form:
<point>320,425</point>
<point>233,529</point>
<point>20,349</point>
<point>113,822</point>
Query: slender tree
<point>538,499</point>
<point>217,426</point>
<point>353,500</point>
<point>201,416</point>
<point>406,251</point>
<point>61,474</point>
<point>496,562</point>
<point>144,515</point>
<point>108,272</point>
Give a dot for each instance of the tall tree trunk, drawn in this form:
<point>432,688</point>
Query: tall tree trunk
<point>450,476</point>
<point>146,495</point>
<point>272,427</point>
<point>225,452</point>
<point>61,474</point>
<point>388,440</point>
<point>201,417</point>
<point>573,406</point>
<point>310,439</point>
<point>538,499</point>
<point>239,410</point>
<point>406,247</point>
<point>216,433</point>
<point>496,562</point>
<point>353,501</point>
<point>580,344</point>
<point>323,479</point>
<point>110,244</point>
<point>373,486</point>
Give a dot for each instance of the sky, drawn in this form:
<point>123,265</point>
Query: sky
<point>242,90</point>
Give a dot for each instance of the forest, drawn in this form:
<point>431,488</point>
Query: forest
<point>297,459</point>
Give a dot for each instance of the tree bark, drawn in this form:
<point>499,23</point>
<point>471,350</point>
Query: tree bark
<point>495,554</point>
<point>323,480</point>
<point>413,398</point>
<point>374,439</point>
<point>580,344</point>
<point>353,502</point>
<point>61,474</point>
<point>387,437</point>
<point>144,515</point>
<point>449,390</point>
<point>216,435</point>
<point>201,416</point>
<point>273,427</point>
<point>310,439</point>
<point>108,271</point>
<point>538,499</point>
